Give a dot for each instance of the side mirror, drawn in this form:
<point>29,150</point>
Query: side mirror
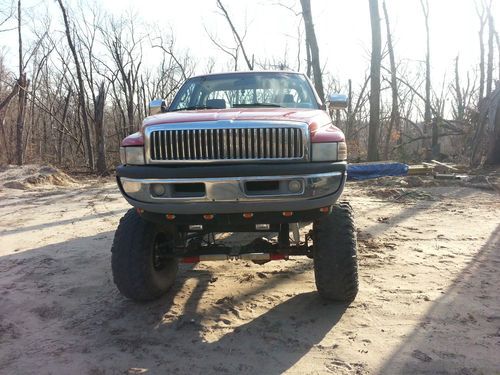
<point>157,106</point>
<point>338,101</point>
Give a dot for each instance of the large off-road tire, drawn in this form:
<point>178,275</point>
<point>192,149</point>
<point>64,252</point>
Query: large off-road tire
<point>335,255</point>
<point>139,272</point>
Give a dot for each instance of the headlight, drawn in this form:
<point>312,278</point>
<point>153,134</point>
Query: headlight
<point>333,151</point>
<point>132,155</point>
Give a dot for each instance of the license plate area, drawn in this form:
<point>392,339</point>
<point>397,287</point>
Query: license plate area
<point>223,191</point>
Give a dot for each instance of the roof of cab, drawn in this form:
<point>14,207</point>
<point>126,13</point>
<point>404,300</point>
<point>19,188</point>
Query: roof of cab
<point>248,72</point>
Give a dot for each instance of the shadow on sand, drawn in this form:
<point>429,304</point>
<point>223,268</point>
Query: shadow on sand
<point>473,301</point>
<point>64,294</point>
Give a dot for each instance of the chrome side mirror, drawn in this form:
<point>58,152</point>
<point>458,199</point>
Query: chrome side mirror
<point>157,106</point>
<point>338,101</point>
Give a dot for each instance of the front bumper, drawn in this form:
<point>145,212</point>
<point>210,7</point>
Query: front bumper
<point>236,189</point>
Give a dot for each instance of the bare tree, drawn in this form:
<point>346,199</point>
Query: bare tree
<point>493,127</point>
<point>117,85</point>
<point>373,131</point>
<point>231,51</point>
<point>6,101</point>
<point>3,109</point>
<point>23,84</point>
<point>5,15</point>
<point>172,70</point>
<point>497,38</point>
<point>124,44</point>
<point>99,129</point>
<point>169,50</point>
<point>237,37</point>
<point>459,100</point>
<point>489,99</point>
<point>483,19</point>
<point>81,87</point>
<point>394,121</point>
<point>312,48</point>
<point>94,74</point>
<point>428,114</point>
<point>491,36</point>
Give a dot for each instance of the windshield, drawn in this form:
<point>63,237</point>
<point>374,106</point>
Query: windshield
<point>245,90</point>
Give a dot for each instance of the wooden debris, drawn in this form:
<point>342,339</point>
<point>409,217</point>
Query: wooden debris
<point>415,170</point>
<point>446,166</point>
<point>453,176</point>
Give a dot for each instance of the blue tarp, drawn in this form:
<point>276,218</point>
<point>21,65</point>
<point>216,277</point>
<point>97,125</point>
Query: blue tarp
<point>374,170</point>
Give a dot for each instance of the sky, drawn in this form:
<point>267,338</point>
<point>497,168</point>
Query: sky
<point>342,28</point>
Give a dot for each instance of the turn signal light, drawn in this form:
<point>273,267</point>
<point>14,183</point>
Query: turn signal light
<point>190,260</point>
<point>325,209</point>
<point>248,215</point>
<point>139,211</point>
<point>278,256</point>
<point>287,213</point>
<point>208,216</point>
<point>170,216</point>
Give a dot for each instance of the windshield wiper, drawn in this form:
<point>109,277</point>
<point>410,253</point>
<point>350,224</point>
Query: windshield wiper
<point>192,108</point>
<point>243,105</point>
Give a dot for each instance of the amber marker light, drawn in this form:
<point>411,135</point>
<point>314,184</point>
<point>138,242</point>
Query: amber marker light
<point>287,213</point>
<point>208,216</point>
<point>170,216</point>
<point>325,209</point>
<point>140,211</point>
<point>248,215</point>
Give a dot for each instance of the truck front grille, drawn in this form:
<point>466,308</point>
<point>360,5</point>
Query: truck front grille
<point>238,144</point>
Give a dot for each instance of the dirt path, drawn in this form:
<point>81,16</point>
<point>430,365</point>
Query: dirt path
<point>428,301</point>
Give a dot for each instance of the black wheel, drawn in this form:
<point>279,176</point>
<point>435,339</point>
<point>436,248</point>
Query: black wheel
<point>141,271</point>
<point>335,255</point>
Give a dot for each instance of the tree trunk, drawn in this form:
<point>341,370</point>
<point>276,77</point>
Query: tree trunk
<point>497,38</point>
<point>99,130</point>
<point>458,94</point>
<point>314,49</point>
<point>23,83</point>
<point>308,60</point>
<point>81,89</point>
<point>434,138</point>
<point>22,101</point>
<point>394,121</point>
<point>3,109</point>
<point>373,131</point>
<point>493,128</point>
<point>493,156</point>
<point>4,103</point>
<point>481,57</point>
<point>489,67</point>
<point>349,121</point>
<point>61,129</point>
<point>427,112</point>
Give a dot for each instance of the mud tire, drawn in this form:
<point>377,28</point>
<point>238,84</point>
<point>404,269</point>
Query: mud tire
<point>138,272</point>
<point>335,254</point>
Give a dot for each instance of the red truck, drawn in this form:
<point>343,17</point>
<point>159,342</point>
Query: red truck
<point>235,152</point>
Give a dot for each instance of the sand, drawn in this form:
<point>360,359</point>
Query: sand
<point>428,302</point>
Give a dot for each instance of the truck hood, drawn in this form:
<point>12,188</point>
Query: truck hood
<point>320,125</point>
<point>313,117</point>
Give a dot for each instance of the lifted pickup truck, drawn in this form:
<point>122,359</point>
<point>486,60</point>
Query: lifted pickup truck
<point>235,152</point>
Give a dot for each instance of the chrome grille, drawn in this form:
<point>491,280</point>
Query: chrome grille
<point>231,143</point>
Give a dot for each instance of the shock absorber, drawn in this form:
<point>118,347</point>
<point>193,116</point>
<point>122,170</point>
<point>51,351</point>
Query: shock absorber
<point>283,236</point>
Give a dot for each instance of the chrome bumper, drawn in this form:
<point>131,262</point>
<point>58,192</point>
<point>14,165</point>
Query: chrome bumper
<point>234,189</point>
<point>234,194</point>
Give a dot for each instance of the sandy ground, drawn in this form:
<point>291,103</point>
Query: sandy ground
<point>428,303</point>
